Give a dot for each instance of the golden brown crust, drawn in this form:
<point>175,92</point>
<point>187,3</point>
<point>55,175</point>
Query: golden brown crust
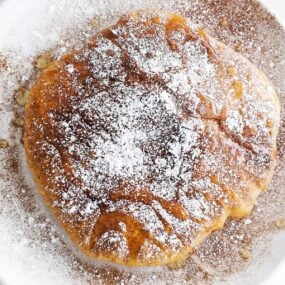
<point>106,128</point>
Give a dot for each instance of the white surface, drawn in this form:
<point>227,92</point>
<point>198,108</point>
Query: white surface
<point>278,277</point>
<point>277,7</point>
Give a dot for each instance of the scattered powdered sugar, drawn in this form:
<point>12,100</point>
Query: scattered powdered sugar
<point>113,241</point>
<point>113,130</point>
<point>128,153</point>
<point>234,121</point>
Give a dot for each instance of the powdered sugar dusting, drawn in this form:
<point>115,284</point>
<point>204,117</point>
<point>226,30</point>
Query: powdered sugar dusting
<point>209,258</point>
<point>122,145</point>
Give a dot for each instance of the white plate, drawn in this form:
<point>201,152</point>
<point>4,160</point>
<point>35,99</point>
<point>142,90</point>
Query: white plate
<point>32,250</point>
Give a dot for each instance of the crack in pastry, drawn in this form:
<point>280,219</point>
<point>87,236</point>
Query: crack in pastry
<point>142,142</point>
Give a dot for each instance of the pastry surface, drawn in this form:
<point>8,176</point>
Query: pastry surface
<point>145,140</point>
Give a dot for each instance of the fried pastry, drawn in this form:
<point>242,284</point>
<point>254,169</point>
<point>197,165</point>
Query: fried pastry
<point>148,138</point>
